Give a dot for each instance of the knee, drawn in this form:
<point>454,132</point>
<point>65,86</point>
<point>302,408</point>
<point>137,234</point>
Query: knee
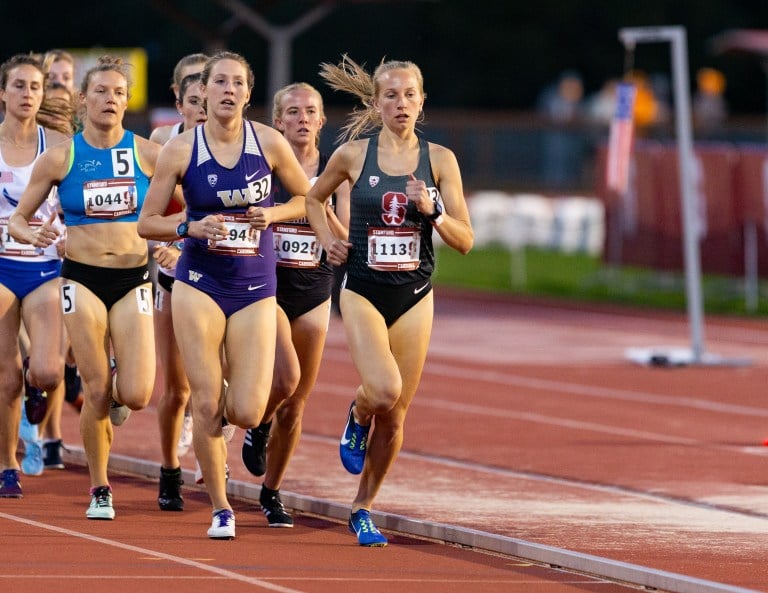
<point>174,398</point>
<point>290,413</point>
<point>381,398</point>
<point>244,414</point>
<point>133,392</point>
<point>284,383</point>
<point>206,418</point>
<point>245,417</point>
<point>46,374</point>
<point>97,395</point>
<point>11,384</point>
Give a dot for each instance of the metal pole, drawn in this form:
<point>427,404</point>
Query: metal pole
<point>679,51</point>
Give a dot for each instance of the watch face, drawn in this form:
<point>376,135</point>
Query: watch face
<point>182,229</point>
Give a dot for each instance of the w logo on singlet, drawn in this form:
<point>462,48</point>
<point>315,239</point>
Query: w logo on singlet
<point>394,205</point>
<point>234,198</point>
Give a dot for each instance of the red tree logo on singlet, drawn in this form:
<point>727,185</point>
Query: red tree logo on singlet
<point>393,204</point>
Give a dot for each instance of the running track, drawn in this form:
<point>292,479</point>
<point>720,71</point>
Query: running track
<point>532,436</point>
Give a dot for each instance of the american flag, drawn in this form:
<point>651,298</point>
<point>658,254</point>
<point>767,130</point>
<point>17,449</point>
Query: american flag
<point>620,138</point>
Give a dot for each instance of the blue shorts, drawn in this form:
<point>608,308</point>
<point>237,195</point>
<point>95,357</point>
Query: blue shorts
<point>21,277</point>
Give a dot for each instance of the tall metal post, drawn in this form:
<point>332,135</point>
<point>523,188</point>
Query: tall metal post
<point>676,36</point>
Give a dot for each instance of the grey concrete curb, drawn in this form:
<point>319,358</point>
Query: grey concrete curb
<point>556,557</point>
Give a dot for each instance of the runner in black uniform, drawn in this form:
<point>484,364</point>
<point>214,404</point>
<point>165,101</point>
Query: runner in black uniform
<point>402,188</point>
<point>304,283</point>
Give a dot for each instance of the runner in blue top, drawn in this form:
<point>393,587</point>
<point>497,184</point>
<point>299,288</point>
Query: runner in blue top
<point>224,294</point>
<point>403,189</point>
<point>102,176</point>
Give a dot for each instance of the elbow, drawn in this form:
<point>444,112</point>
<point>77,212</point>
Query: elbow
<point>465,247</point>
<point>141,229</point>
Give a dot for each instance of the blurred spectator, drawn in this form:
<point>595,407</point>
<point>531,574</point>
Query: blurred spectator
<point>651,101</point>
<point>562,100</point>
<point>648,110</point>
<point>709,106</point>
<point>600,106</point>
<point>561,103</point>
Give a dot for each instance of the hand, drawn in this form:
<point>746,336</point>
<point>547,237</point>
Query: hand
<point>211,227</point>
<point>47,234</point>
<point>338,251</point>
<point>166,256</point>
<point>416,190</point>
<point>260,218</point>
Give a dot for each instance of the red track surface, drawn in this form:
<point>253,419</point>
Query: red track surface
<point>530,424</point>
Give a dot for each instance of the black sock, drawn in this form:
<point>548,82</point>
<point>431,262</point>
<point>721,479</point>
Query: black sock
<point>268,493</point>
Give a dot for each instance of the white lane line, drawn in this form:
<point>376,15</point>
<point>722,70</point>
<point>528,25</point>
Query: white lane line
<point>169,557</point>
<point>443,405</point>
<point>345,579</point>
<point>512,380</point>
<point>615,490</point>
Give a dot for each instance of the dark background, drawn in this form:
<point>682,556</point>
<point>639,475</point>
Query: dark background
<point>474,55</point>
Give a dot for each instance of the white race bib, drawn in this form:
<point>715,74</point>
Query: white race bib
<point>10,246</point>
<point>242,238</point>
<point>394,249</point>
<point>109,198</point>
<point>296,246</point>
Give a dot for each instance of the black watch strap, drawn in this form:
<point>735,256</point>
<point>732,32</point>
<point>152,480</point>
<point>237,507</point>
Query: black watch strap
<point>437,213</point>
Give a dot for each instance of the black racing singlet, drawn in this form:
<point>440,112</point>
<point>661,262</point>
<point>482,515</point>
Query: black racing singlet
<point>391,239</point>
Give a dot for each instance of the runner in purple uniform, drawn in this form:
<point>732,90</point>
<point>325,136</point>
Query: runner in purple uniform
<point>224,294</point>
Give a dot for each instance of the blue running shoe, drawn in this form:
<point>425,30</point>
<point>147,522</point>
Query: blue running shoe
<point>361,524</point>
<point>353,444</point>
<point>32,464</point>
<point>27,432</point>
<point>10,487</point>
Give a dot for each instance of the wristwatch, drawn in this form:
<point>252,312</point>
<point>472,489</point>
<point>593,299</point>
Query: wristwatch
<point>183,230</point>
<point>437,213</point>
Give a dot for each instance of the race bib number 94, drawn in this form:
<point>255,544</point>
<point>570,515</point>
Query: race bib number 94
<point>242,238</point>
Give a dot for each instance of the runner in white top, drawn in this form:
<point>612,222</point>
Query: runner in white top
<point>29,277</point>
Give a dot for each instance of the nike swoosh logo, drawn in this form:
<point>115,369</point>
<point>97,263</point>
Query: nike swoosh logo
<point>46,274</point>
<point>418,290</point>
<point>251,176</point>
<point>256,287</point>
<point>344,440</point>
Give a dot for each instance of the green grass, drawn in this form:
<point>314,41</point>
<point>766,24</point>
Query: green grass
<point>537,272</point>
